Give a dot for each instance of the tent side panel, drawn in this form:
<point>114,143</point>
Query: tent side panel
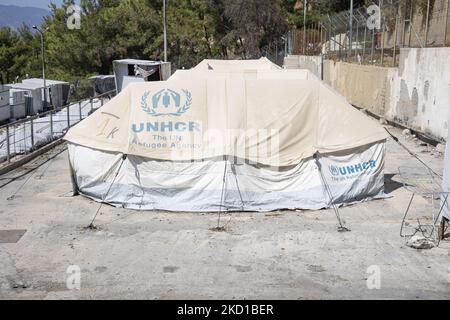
<point>145,184</point>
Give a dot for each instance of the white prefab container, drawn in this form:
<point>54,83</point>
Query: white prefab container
<point>57,91</point>
<point>18,108</point>
<point>17,96</point>
<point>131,70</point>
<point>4,103</point>
<point>33,93</point>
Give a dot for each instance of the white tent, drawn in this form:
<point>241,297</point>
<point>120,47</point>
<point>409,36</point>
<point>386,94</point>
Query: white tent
<point>211,142</point>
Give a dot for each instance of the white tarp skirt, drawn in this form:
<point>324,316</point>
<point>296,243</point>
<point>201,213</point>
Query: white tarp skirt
<point>146,184</point>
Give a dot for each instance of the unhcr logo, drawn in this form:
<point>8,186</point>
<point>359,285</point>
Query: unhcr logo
<point>168,126</point>
<point>167,102</point>
<point>352,169</point>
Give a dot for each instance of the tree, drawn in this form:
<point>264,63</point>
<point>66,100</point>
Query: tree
<point>116,29</point>
<point>255,23</point>
<point>19,54</point>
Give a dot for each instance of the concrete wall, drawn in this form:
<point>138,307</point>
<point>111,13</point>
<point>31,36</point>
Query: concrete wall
<point>367,87</point>
<point>416,95</point>
<point>421,95</point>
<point>312,63</point>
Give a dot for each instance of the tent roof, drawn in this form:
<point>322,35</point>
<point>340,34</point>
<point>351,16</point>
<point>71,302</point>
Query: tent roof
<point>250,74</point>
<point>275,122</point>
<point>230,65</point>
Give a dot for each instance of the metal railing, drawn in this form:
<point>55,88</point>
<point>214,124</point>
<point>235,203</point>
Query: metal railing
<point>26,135</point>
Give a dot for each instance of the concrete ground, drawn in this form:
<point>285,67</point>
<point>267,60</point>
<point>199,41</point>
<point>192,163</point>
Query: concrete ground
<point>156,255</point>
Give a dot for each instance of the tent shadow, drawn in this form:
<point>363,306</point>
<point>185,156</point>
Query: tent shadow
<point>391,185</point>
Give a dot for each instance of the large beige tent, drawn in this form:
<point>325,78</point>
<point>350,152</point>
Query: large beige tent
<point>210,139</point>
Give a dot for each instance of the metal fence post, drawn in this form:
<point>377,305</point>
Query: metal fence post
<point>394,54</point>
<point>25,137</point>
<point>8,145</point>
<point>81,114</point>
<point>373,46</point>
<point>32,134</point>
<point>410,23</point>
<point>427,22</point>
<point>92,104</point>
<point>351,29</point>
<point>446,22</point>
<point>305,5</point>
<point>365,43</point>
<point>331,37</point>
<point>68,116</point>
<point>51,125</point>
<point>357,37</point>
<point>382,45</point>
<point>321,37</point>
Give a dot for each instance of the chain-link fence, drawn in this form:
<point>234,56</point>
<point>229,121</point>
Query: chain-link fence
<point>375,34</point>
<point>24,136</point>
<point>277,50</point>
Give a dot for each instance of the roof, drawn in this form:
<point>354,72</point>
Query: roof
<point>139,62</point>
<point>102,77</point>
<point>18,90</point>
<point>236,65</point>
<point>26,86</point>
<point>264,74</point>
<point>48,82</point>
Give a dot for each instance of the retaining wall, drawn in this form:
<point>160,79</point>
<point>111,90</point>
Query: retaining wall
<point>416,95</point>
